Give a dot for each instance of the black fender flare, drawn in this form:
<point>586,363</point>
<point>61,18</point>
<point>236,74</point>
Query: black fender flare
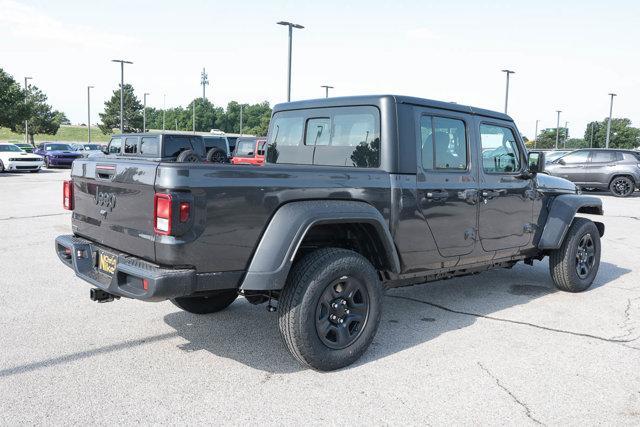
<point>562,210</point>
<point>279,244</point>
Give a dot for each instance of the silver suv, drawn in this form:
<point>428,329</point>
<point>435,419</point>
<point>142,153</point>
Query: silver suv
<point>601,169</point>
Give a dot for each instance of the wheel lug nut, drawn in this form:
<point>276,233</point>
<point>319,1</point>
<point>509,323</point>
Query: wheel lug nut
<point>344,302</point>
<point>341,321</point>
<point>346,311</point>
<point>334,305</point>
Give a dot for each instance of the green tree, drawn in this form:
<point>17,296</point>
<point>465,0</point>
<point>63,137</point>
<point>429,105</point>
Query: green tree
<point>547,138</point>
<point>623,135</point>
<point>43,119</point>
<point>132,112</point>
<point>13,109</point>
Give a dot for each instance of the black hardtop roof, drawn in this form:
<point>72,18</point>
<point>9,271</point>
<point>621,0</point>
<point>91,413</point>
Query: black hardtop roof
<point>376,99</point>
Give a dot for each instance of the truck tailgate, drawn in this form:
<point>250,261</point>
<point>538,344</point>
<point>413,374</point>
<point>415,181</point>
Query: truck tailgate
<point>113,203</point>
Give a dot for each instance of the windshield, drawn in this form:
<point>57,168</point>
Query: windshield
<point>57,147</point>
<point>9,147</point>
<point>555,155</point>
<point>89,147</point>
<point>244,148</point>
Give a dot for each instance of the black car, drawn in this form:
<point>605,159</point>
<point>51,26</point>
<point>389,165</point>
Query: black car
<point>357,195</point>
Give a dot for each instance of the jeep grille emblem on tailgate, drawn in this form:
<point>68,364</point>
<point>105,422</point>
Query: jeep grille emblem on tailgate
<point>106,200</point>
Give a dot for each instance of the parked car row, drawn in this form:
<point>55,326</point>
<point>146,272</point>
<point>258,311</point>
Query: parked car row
<point>615,170</point>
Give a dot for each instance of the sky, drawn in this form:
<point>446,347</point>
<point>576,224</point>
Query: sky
<point>567,55</point>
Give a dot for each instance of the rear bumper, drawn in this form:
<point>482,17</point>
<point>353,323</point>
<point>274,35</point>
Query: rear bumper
<point>136,278</point>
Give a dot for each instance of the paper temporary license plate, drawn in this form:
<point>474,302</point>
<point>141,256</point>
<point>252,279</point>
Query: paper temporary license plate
<point>107,262</point>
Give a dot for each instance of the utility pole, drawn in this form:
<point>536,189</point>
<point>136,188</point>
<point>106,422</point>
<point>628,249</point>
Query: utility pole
<point>535,136</point>
<point>204,81</point>
<point>144,113</point>
<point>558,128</point>
<point>122,62</point>
<point>506,96</point>
<point>291,27</point>
<point>26,122</point>
<point>89,113</point>
<point>164,108</point>
<point>240,119</point>
<point>609,122</point>
<point>326,90</point>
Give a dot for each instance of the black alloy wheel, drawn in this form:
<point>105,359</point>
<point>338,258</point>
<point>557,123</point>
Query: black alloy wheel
<point>621,186</point>
<point>342,312</point>
<point>585,256</point>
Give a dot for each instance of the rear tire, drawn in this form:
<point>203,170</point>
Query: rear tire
<point>330,308</point>
<point>215,155</point>
<point>207,304</point>
<point>622,186</point>
<point>575,264</point>
<point>188,156</point>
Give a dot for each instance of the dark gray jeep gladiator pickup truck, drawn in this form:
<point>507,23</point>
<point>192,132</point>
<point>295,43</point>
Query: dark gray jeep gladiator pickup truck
<point>357,195</point>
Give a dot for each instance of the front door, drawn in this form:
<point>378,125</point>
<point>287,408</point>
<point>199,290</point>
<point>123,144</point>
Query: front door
<point>447,187</point>
<point>600,166</point>
<point>506,199</point>
<point>572,166</point>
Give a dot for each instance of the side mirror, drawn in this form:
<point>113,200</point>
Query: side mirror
<point>562,162</point>
<point>536,162</point>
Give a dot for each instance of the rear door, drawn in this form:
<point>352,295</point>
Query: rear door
<point>114,203</point>
<point>446,183</point>
<point>601,165</point>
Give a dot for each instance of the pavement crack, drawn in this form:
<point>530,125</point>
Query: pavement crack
<point>32,216</point>
<point>518,322</point>
<point>627,323</point>
<point>513,396</point>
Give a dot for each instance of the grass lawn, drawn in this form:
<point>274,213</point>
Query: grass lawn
<point>65,133</point>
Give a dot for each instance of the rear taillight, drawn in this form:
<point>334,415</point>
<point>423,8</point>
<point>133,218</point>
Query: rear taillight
<point>67,195</point>
<point>162,213</point>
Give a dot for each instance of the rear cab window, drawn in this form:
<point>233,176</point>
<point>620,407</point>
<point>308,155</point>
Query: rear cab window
<point>337,136</point>
<point>115,146</point>
<point>173,145</point>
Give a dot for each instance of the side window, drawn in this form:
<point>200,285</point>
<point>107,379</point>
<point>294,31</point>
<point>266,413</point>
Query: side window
<point>174,145</point>
<point>131,145</point>
<point>287,131</point>
<point>443,143</point>
<point>603,156</point>
<point>149,146</point>
<point>318,131</point>
<point>115,145</point>
<point>500,152</point>
<point>575,157</point>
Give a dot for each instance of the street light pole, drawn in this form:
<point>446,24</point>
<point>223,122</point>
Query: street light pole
<point>326,90</point>
<point>122,62</point>
<point>591,142</point>
<point>89,114</point>
<point>291,27</point>
<point>506,96</point>
<point>535,136</point>
<point>164,107</point>
<point>609,122</point>
<point>558,128</point>
<point>26,122</point>
<point>240,119</point>
<point>144,113</point>
<point>193,119</point>
<point>566,134</point>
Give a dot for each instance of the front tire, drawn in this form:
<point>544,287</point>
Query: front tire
<point>46,163</point>
<point>622,186</point>
<point>575,264</point>
<point>330,308</point>
<point>1,166</point>
<point>206,304</point>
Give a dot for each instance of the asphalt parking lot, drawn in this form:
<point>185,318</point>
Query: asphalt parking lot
<point>500,348</point>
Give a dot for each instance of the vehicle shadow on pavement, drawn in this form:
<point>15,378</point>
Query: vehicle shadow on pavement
<point>412,316</point>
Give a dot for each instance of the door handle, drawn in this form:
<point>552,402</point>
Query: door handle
<point>437,195</point>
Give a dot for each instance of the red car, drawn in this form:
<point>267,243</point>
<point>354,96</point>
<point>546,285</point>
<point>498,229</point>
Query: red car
<point>249,151</point>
